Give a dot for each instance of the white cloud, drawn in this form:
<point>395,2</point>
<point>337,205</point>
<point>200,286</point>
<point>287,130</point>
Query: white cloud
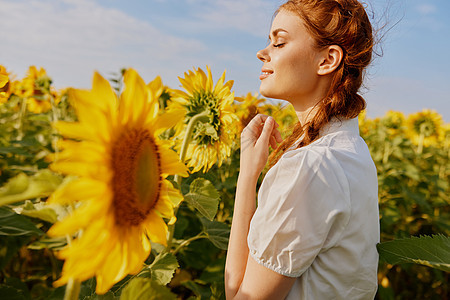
<point>250,16</point>
<point>72,38</point>
<point>426,9</point>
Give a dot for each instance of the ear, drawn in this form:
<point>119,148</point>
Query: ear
<point>331,59</point>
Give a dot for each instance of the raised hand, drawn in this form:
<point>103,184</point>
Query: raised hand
<point>256,137</point>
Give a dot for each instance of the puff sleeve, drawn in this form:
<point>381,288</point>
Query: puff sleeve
<point>303,209</point>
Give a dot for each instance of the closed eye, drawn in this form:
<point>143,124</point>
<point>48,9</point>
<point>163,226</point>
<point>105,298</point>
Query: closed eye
<point>278,45</point>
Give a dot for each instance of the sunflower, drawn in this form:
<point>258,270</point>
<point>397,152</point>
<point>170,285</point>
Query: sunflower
<point>286,117</point>
<point>445,136</point>
<point>394,121</point>
<point>214,133</point>
<point>362,117</point>
<point>364,123</point>
<point>160,92</point>
<point>5,85</point>
<point>247,108</point>
<point>121,193</point>
<point>36,88</point>
<point>284,114</point>
<point>425,127</point>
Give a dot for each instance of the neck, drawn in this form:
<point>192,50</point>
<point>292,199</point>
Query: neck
<point>305,115</point>
<point>306,106</point>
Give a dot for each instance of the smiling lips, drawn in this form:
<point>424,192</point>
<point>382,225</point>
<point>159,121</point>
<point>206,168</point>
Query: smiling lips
<point>265,73</point>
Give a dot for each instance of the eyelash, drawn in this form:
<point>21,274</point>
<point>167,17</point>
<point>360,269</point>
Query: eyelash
<point>278,45</point>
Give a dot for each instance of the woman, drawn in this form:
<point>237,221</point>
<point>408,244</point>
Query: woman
<point>314,233</point>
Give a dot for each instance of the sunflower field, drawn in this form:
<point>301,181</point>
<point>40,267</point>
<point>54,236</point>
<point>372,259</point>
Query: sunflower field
<point>126,190</point>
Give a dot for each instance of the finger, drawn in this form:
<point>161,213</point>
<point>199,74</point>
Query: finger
<point>273,142</point>
<point>257,121</point>
<point>266,132</point>
<point>277,135</point>
<point>255,126</point>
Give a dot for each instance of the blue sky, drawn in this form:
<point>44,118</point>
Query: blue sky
<point>72,38</point>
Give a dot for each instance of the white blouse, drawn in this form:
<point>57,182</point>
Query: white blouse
<point>317,217</point>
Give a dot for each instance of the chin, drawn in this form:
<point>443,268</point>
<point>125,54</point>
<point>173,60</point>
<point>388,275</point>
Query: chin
<point>265,92</point>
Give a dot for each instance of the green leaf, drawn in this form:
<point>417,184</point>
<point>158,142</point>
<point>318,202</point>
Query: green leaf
<point>14,150</point>
<point>211,131</point>
<point>39,211</point>
<point>217,232</point>
<point>108,296</point>
<point>22,187</point>
<point>19,285</point>
<point>201,291</point>
<point>412,171</point>
<point>432,251</point>
<point>204,197</point>
<point>9,246</point>
<point>11,293</point>
<point>57,294</point>
<point>57,243</point>
<point>12,224</point>
<point>144,288</point>
<point>163,268</point>
<point>213,273</point>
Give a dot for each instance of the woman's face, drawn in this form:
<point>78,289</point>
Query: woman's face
<point>290,61</point>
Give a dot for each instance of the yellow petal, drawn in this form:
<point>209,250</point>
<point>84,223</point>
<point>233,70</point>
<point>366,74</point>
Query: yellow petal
<point>103,92</point>
<point>186,84</point>
<point>170,193</point>
<point>170,162</point>
<point>82,169</point>
<point>156,86</point>
<point>83,154</point>
<point>106,276</point>
<point>180,97</point>
<point>82,217</point>
<point>164,206</point>
<point>167,120</point>
<point>4,79</point>
<point>133,105</point>
<point>75,130</point>
<point>78,190</point>
<point>155,228</point>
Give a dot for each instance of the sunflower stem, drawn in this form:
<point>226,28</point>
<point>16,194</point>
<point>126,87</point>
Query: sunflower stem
<point>386,153</point>
<point>72,289</point>
<point>55,118</point>
<point>73,286</point>
<point>188,241</point>
<point>420,147</point>
<point>421,139</point>
<point>187,139</point>
<point>20,121</point>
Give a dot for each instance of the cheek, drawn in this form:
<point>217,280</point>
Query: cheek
<point>296,72</point>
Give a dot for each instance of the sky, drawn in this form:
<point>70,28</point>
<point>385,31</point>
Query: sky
<point>73,38</point>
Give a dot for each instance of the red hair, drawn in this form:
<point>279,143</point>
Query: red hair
<point>333,22</point>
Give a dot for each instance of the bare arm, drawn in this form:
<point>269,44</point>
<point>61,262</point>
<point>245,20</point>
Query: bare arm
<point>244,277</point>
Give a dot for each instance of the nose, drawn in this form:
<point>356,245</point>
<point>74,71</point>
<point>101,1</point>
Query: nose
<point>262,55</point>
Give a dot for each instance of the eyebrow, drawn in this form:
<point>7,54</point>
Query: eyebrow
<point>276,31</point>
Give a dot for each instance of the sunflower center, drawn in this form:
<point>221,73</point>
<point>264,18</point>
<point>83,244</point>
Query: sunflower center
<point>137,177</point>
<point>5,87</point>
<point>425,127</point>
<point>205,133</point>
